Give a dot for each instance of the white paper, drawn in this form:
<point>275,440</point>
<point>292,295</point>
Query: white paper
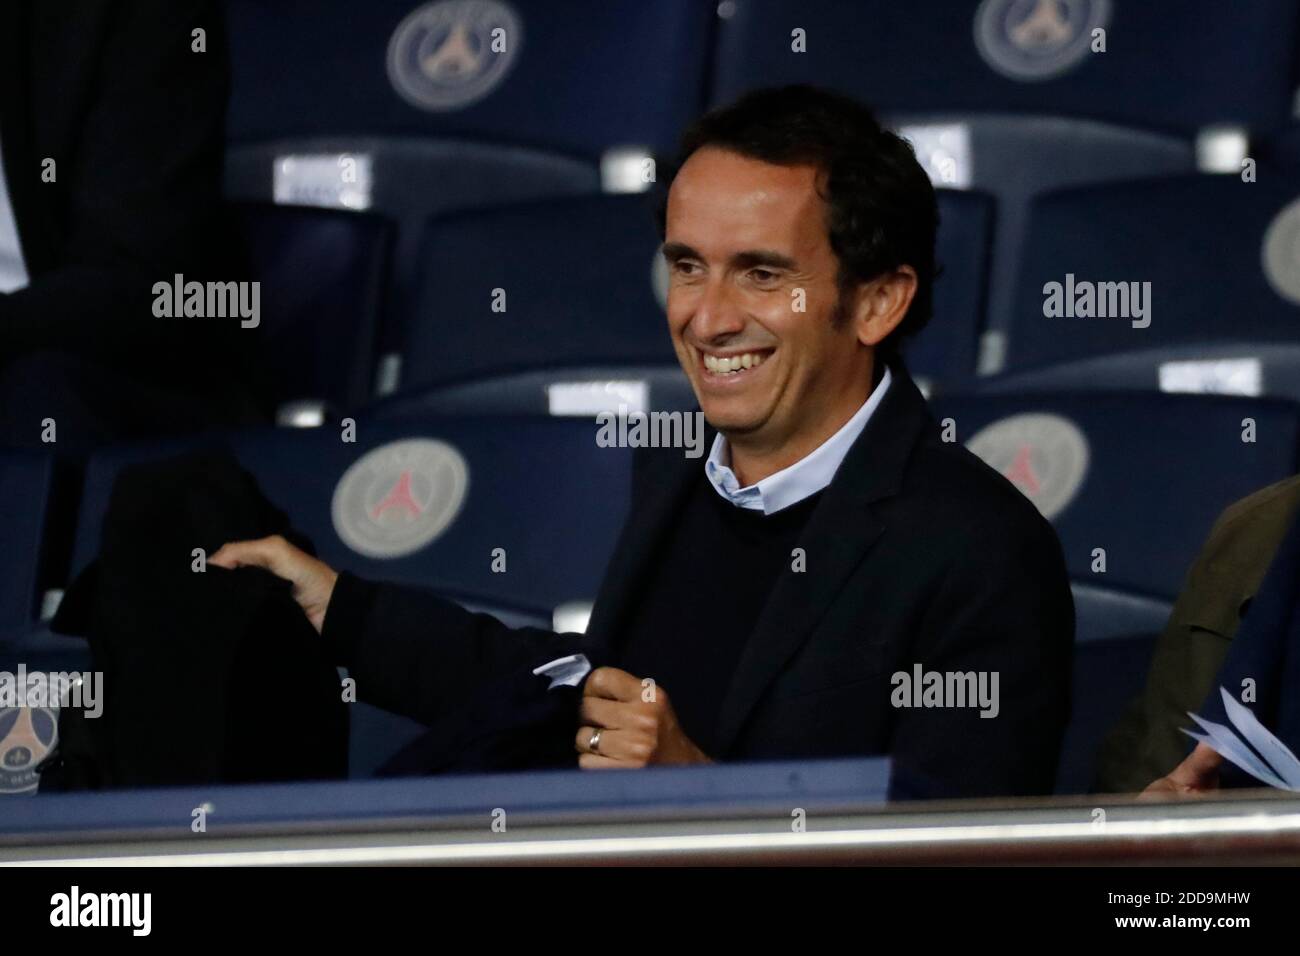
<point>1275,765</point>
<point>565,671</point>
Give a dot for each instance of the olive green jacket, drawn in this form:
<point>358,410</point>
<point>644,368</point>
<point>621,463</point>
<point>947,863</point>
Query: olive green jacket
<point>1147,741</point>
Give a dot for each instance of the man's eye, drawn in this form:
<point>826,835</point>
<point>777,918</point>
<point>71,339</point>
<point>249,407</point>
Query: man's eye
<point>762,275</point>
<point>683,267</point>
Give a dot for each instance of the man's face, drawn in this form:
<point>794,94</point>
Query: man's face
<point>747,249</point>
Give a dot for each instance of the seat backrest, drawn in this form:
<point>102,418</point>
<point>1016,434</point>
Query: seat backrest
<point>1142,477</point>
<point>1166,268</point>
<point>1165,68</point>
<point>512,514</point>
<point>943,353</point>
<point>1015,158</point>
<point>539,287</point>
<point>413,109</point>
<point>322,275</point>
<point>1107,676</point>
<point>1008,96</point>
<point>571,78</point>
<point>27,488</point>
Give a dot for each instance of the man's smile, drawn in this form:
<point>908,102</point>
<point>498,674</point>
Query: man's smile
<point>720,369</point>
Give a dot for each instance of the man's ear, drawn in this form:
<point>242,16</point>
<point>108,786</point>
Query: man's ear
<point>882,303</point>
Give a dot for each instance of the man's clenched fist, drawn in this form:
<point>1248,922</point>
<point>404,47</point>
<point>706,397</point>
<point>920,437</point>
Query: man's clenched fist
<point>634,732</point>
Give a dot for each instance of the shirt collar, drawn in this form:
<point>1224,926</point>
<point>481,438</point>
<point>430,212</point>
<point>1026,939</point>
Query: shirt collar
<point>805,477</point>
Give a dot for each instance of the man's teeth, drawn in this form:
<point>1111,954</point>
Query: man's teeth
<point>731,364</point>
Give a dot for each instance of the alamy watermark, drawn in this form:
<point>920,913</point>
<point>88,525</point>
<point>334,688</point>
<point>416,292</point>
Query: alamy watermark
<point>209,300</point>
<point>636,429</point>
<point>133,911</point>
<point>1085,299</point>
<point>946,689</point>
<point>82,690</point>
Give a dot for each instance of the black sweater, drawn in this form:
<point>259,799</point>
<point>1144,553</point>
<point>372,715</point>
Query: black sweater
<point>711,578</point>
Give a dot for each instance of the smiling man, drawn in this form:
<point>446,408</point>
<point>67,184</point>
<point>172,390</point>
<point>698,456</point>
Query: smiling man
<point>764,606</point>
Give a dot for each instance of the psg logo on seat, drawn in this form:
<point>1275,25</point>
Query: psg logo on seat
<point>452,53</point>
<point>1031,40</point>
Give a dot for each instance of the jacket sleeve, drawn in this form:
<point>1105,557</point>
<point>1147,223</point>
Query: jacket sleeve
<point>1004,611</point>
<point>416,654</point>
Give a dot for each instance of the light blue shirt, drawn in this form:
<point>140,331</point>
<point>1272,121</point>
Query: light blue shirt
<point>13,271</point>
<point>805,477</point>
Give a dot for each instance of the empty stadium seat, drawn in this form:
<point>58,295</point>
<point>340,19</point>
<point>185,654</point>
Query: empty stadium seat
<point>323,275</point>
<point>33,511</point>
<point>1282,149</point>
<point>402,68</point>
<point>943,354</point>
<point>1108,674</point>
<point>27,499</point>
<point>1008,96</point>
<point>1015,159</point>
<point>1221,260</point>
<point>429,107</point>
<point>1176,68</point>
<point>532,308</point>
<point>1140,476</point>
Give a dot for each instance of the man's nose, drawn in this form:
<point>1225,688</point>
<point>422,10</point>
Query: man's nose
<point>717,315</point>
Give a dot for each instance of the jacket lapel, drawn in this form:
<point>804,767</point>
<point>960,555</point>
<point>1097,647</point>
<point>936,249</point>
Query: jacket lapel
<point>840,532</point>
<point>659,492</point>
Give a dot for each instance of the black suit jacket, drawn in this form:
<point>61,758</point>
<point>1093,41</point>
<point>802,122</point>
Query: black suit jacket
<point>133,119</point>
<point>918,553</point>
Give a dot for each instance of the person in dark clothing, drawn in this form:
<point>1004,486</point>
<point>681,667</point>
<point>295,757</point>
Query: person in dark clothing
<point>778,602</point>
<point>111,130</point>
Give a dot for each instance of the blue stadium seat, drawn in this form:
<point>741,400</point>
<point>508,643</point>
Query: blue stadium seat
<point>1175,68</point>
<point>581,282</point>
<point>1141,476</point>
<point>27,497</point>
<point>573,78</point>
<point>32,514</point>
<point>1007,96</point>
<point>1017,158</point>
<point>323,275</point>
<point>1282,149</point>
<point>603,318</point>
<point>942,356</point>
<point>432,111</point>
<point>1221,258</point>
<point>540,490</point>
<point>1108,674</point>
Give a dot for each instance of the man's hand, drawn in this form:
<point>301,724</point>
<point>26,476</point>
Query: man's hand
<point>634,731</point>
<point>312,580</point>
<point>1196,775</point>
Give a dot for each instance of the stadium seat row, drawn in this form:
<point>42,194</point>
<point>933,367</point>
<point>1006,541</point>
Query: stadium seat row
<point>418,110</point>
<point>519,515</point>
<point>1186,283</point>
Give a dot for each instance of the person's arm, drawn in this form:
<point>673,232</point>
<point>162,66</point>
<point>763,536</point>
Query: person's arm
<point>409,651</point>
<point>1004,609</point>
<point>1147,741</point>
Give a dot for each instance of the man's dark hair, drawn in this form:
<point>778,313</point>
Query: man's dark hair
<point>881,205</point>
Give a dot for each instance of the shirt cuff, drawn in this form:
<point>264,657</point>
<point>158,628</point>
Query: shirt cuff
<point>345,617</point>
